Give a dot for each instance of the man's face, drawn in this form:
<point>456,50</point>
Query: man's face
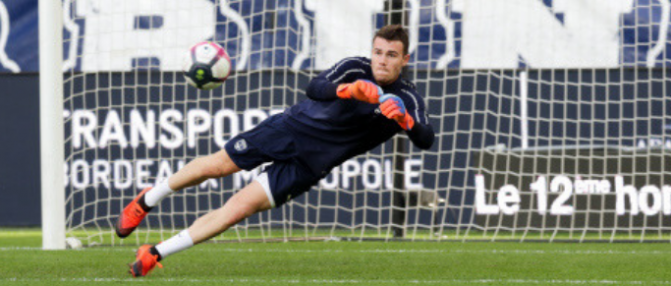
<point>387,60</point>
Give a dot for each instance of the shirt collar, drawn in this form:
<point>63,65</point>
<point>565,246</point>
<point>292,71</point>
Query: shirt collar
<point>394,85</point>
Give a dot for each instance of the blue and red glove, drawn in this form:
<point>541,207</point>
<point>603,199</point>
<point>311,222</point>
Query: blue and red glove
<point>393,108</point>
<point>361,90</point>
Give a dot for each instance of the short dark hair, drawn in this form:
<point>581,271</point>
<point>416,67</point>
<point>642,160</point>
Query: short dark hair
<point>394,33</point>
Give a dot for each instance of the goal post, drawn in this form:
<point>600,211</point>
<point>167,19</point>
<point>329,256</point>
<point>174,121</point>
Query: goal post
<point>52,136</point>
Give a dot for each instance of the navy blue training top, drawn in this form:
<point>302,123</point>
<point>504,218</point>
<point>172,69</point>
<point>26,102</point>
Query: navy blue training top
<point>333,130</point>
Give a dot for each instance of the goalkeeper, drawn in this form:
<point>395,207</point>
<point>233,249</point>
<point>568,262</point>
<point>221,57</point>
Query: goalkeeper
<point>353,107</point>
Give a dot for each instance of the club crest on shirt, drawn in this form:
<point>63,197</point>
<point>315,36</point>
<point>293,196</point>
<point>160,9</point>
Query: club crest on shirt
<point>241,145</point>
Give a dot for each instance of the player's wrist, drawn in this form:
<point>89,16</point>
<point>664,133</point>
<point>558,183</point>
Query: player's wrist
<point>343,91</point>
<point>408,122</point>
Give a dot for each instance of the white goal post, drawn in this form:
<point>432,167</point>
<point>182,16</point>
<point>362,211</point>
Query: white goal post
<point>545,130</point>
<point>52,137</point>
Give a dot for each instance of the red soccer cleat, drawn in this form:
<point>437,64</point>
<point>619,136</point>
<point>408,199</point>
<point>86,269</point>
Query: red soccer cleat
<point>144,262</point>
<point>130,217</point>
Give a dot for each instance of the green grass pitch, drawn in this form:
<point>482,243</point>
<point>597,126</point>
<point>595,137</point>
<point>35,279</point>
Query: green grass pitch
<point>343,263</point>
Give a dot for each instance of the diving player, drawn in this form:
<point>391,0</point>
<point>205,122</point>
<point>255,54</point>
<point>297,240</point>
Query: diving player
<point>351,108</point>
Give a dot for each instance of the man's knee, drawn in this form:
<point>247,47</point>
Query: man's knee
<point>240,212</point>
<point>236,210</point>
<point>246,202</point>
<point>218,165</point>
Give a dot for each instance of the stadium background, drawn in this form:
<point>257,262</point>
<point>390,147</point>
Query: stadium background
<point>19,110</point>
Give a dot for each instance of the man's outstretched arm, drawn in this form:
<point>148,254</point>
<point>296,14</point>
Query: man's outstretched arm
<point>321,89</point>
<point>342,81</point>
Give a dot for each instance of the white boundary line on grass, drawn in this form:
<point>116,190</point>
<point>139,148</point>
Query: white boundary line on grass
<point>448,251</point>
<point>382,251</point>
<point>342,281</point>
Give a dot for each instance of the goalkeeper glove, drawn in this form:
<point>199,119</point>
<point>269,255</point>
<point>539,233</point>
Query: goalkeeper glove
<point>393,108</point>
<point>361,90</point>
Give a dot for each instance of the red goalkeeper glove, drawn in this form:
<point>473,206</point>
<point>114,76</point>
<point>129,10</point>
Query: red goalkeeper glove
<point>393,108</point>
<point>361,90</point>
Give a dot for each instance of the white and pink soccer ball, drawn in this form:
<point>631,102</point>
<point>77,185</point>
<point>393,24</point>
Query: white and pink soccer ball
<point>206,65</point>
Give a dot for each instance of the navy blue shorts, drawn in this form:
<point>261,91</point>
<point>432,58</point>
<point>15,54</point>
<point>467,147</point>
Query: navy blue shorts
<point>270,141</point>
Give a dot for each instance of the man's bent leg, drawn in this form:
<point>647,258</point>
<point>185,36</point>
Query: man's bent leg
<point>216,165</point>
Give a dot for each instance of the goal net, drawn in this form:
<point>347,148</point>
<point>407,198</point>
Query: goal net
<point>551,123</point>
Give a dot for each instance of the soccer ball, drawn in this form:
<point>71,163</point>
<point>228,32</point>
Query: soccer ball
<point>206,65</point>
<point>73,243</point>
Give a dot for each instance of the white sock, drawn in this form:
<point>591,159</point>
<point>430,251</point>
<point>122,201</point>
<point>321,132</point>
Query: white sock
<point>175,244</point>
<point>157,193</point>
